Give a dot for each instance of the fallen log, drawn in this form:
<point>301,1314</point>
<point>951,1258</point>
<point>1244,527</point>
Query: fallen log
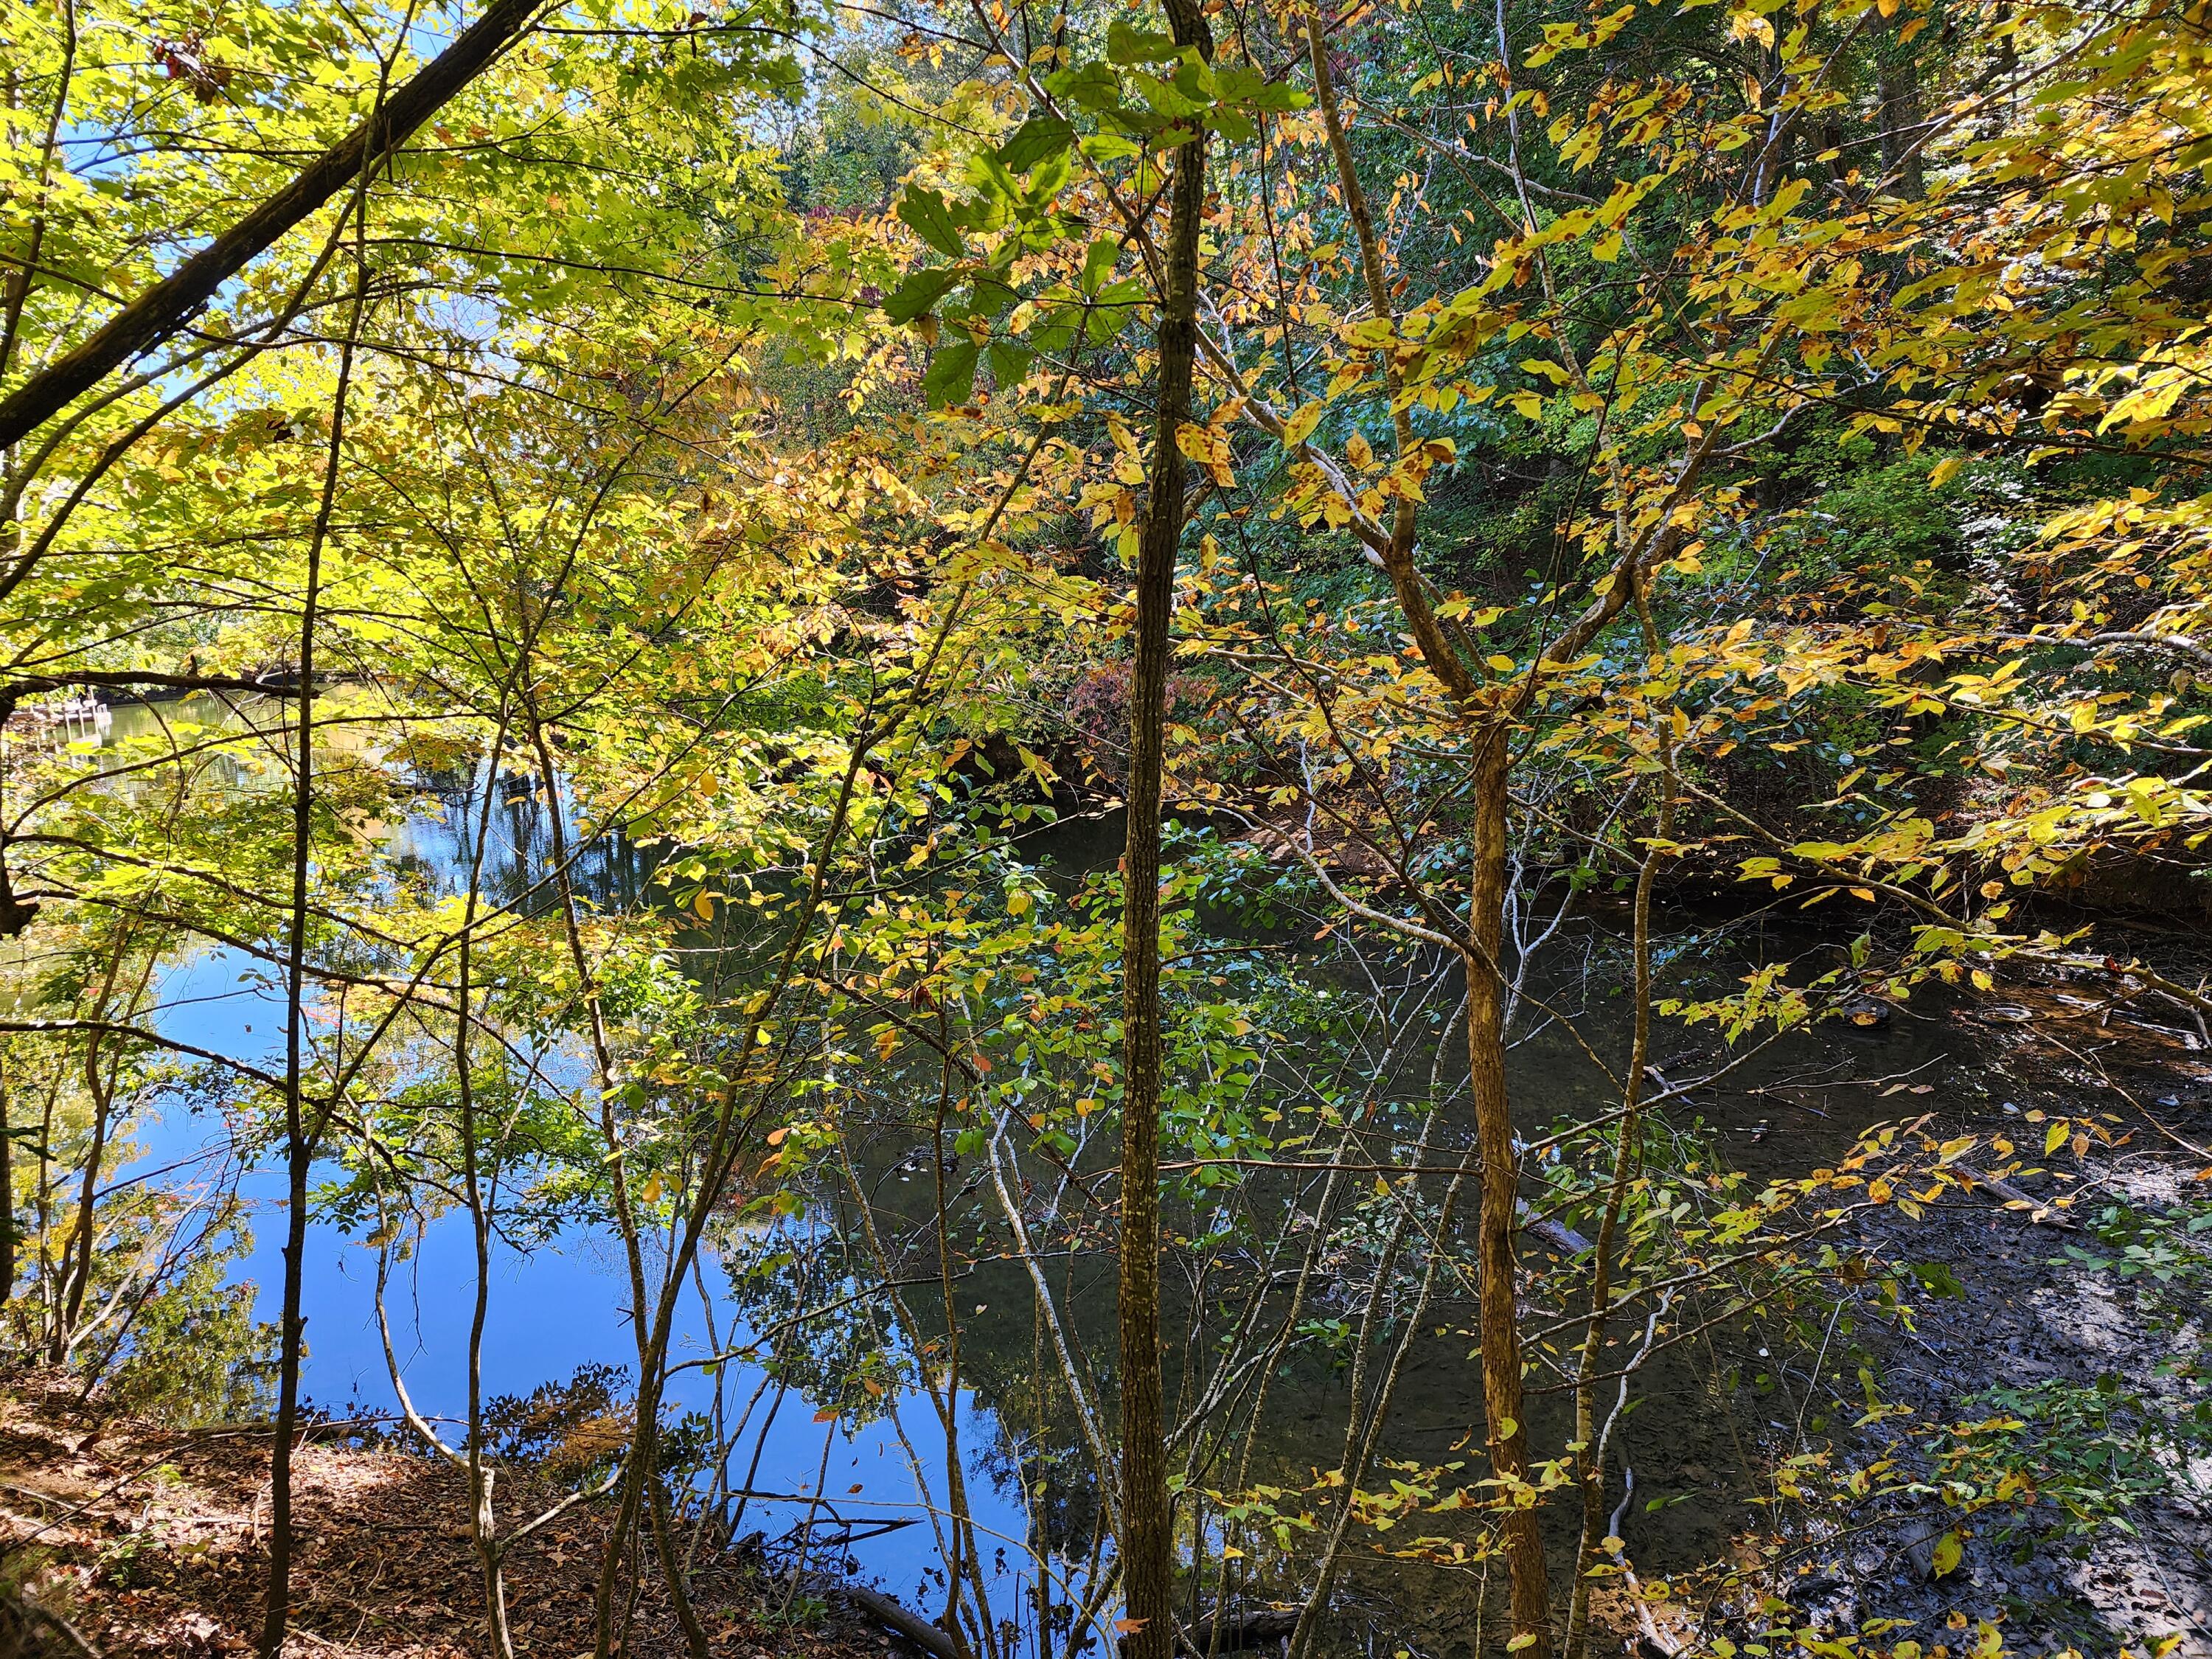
<point>1557,1234</point>
<point>2039,1211</point>
<point>900,1620</point>
<point>1239,1632</point>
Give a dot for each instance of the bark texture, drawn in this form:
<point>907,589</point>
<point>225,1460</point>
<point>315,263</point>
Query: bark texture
<point>1147,1541</point>
<point>1498,1223</point>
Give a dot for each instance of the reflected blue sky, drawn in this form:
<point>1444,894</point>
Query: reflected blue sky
<point>553,1309</point>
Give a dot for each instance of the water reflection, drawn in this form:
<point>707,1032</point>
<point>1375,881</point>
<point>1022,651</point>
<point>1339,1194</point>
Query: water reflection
<point>560,1309</point>
<point>781,1397</point>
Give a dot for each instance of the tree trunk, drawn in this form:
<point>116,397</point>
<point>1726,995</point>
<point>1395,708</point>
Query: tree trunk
<point>1147,1542</point>
<point>301,1135</point>
<point>7,1198</point>
<point>1498,1225</point>
<point>76,1266</point>
<point>1626,1154</point>
<point>298,1159</point>
<point>1898,85</point>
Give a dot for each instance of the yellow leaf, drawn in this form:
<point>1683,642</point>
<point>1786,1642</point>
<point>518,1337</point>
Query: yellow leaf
<point>1944,471</point>
<point>1300,426</point>
<point>2054,1137</point>
<point>1949,1551</point>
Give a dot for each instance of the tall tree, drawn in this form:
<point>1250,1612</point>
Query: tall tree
<point>1147,1541</point>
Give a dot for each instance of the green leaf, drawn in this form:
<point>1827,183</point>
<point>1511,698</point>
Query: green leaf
<point>951,374</point>
<point>1109,147</point>
<point>1093,86</point>
<point>1057,332</point>
<point>994,297</point>
<point>1098,262</point>
<point>1009,361</point>
<point>1164,98</point>
<point>1034,141</point>
<point>1127,46</point>
<point>931,219</point>
<point>989,175</point>
<point>1048,175</point>
<point>1117,304</point>
<point>920,290</point>
<point>1231,124</point>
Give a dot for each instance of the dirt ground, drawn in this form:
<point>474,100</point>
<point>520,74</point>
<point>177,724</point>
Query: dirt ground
<point>2017,1311</point>
<point>150,1541</point>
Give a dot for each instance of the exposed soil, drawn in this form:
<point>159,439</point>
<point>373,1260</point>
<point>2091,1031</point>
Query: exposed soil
<point>2002,1304</point>
<point>148,1540</point>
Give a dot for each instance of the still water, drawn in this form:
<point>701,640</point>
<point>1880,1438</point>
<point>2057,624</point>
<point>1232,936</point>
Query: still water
<point>555,1309</point>
<point>562,1306</point>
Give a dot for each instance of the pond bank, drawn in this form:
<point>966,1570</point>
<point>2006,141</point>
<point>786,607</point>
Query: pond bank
<point>2012,1450</point>
<point>150,1541</point>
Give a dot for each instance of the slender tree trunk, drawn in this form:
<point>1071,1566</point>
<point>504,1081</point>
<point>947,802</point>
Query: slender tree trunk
<point>80,1270</point>
<point>50,1307</point>
<point>1496,1230</point>
<point>299,1144</point>
<point>1898,86</point>
<point>75,1267</point>
<point>1148,1543</point>
<point>300,1136</point>
<point>483,1514</point>
<point>1626,1154</point>
<point>6,1197</point>
<point>1591,1458</point>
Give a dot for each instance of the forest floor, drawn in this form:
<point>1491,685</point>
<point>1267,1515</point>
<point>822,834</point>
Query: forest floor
<point>148,1540</point>
<point>2013,1315</point>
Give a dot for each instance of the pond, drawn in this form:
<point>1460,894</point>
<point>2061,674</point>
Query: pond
<point>866,1486</point>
